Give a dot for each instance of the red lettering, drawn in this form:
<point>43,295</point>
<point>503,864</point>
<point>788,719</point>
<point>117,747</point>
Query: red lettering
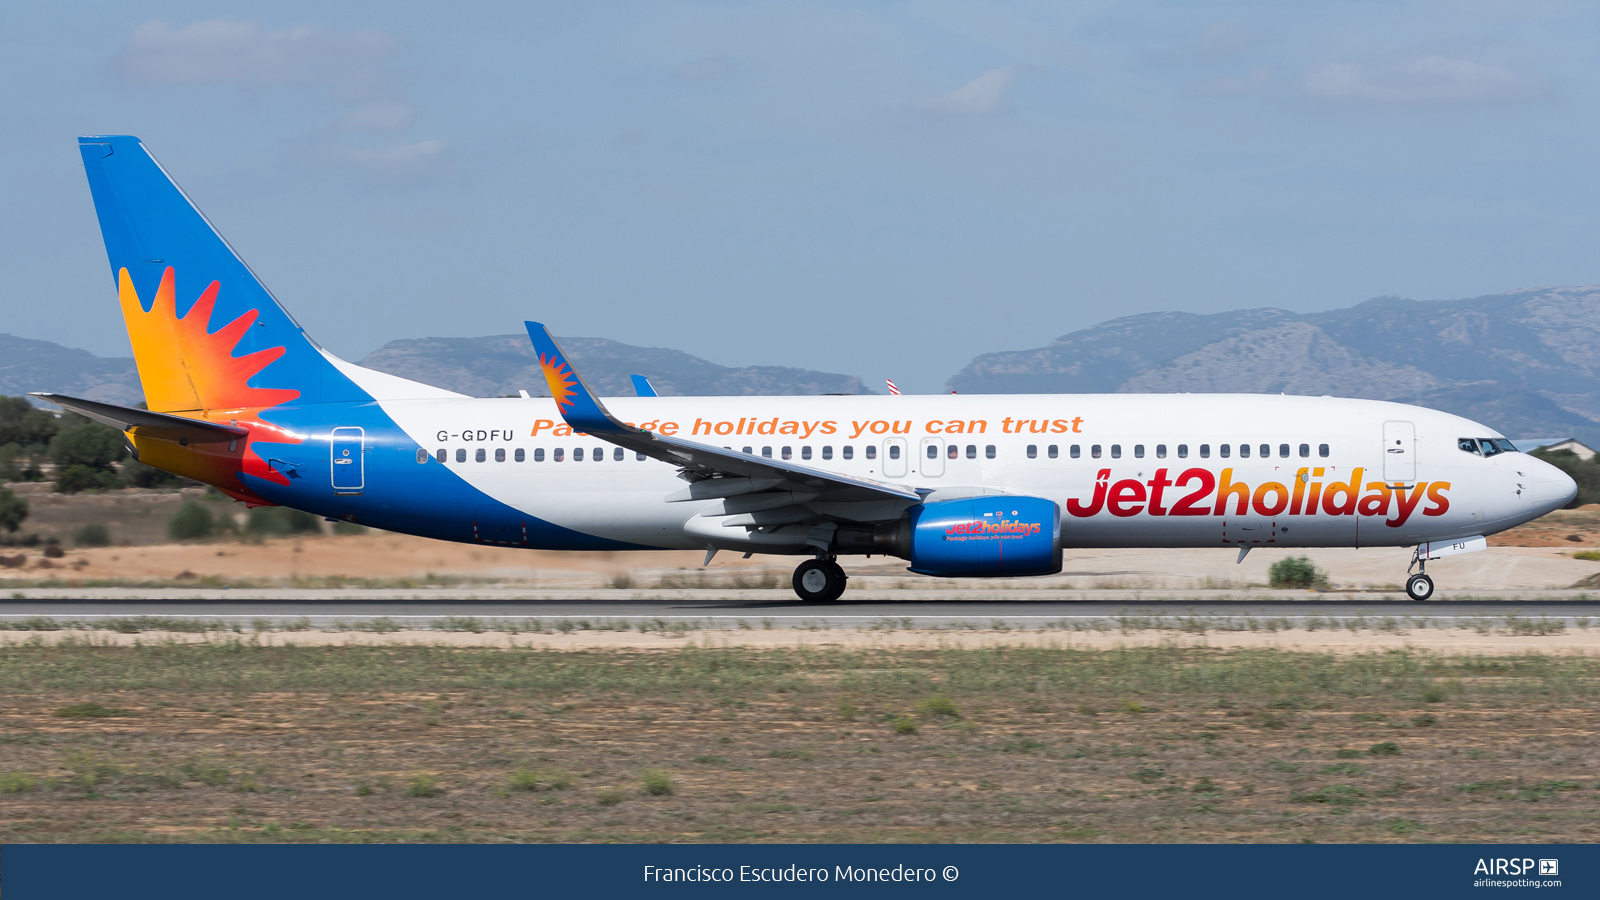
<point>1405,505</point>
<point>1377,503</point>
<point>1096,502</point>
<point>1186,506</point>
<point>1436,496</point>
<point>1352,491</point>
<point>1258,502</point>
<point>1123,493</point>
<point>1157,485</point>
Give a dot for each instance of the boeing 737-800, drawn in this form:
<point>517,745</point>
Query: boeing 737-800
<point>241,398</point>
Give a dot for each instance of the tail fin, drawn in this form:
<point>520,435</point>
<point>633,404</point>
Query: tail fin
<point>206,333</point>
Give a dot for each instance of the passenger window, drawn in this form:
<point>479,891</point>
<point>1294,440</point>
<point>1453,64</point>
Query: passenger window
<point>1266,450</point>
<point>894,451</point>
<point>1283,451</point>
<point>848,452</point>
<point>1205,451</point>
<point>1053,452</point>
<point>788,453</point>
<point>538,454</point>
<point>972,451</point>
<point>1305,451</point>
<point>1116,451</point>
<point>1033,451</point>
<point>461,454</point>
<point>872,451</point>
<point>1322,450</point>
<point>1183,451</point>
<point>599,454</point>
<point>641,456</point>
<point>767,452</point>
<point>1223,450</point>
<point>1161,451</point>
<point>827,452</point>
<point>805,452</point>
<point>558,454</point>
<point>955,451</point>
<point>442,455</point>
<point>481,455</point>
<point>1074,451</point>
<point>499,454</point>
<point>933,451</point>
<point>422,456</point>
<point>618,454</point>
<point>1244,451</point>
<point>988,451</point>
<point>577,454</point>
<point>1138,451</point>
<point>750,450</point>
<point>1094,450</point>
<point>521,455</point>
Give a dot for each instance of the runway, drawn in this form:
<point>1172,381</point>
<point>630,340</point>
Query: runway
<point>782,610</point>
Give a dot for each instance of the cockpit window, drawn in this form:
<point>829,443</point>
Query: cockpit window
<point>1505,445</point>
<point>1468,445</point>
<point>1488,445</point>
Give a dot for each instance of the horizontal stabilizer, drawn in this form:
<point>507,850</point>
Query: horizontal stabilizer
<point>144,423</point>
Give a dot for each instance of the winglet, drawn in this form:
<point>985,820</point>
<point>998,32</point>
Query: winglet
<point>642,386</point>
<point>576,403</point>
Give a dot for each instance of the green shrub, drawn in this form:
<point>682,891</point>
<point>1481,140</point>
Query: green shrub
<point>610,798</point>
<point>938,705</point>
<point>1425,720</point>
<point>423,786</point>
<point>13,510</point>
<point>1338,794</point>
<point>13,462</point>
<point>93,534</point>
<point>657,783</point>
<point>191,522</point>
<point>1295,572</point>
<point>903,725</point>
<point>554,779</point>
<point>17,783</point>
<point>22,423</point>
<point>74,478</point>
<point>279,521</point>
<point>137,474</point>
<point>1387,748</point>
<point>90,444</point>
<point>90,710</point>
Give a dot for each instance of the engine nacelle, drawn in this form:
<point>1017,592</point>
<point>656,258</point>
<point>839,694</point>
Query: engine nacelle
<point>978,537</point>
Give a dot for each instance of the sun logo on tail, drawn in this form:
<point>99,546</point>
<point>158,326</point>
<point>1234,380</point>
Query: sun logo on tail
<point>562,382</point>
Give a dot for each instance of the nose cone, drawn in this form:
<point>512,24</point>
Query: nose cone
<point>1552,488</point>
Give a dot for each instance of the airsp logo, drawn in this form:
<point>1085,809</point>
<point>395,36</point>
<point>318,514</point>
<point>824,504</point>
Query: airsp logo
<point>1549,867</point>
<point>1515,867</point>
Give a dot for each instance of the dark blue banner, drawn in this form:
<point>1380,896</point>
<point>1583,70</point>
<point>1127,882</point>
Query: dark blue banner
<point>178,872</point>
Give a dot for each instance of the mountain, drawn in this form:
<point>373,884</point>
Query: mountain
<point>1526,362</point>
<point>499,365</point>
<point>27,365</point>
<point>481,367</point>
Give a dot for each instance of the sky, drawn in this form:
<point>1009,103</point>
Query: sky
<point>880,189</point>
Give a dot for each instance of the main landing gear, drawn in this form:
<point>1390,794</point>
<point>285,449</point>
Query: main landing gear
<point>819,580</point>
<point>1419,587</point>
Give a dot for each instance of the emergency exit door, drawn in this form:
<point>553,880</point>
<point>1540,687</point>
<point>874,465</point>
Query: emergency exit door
<point>1399,452</point>
<point>349,470</point>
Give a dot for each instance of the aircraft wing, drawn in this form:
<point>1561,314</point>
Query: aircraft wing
<point>712,471</point>
<point>144,423</point>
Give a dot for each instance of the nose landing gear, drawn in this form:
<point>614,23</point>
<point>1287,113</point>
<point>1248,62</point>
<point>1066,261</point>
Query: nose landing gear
<point>819,581</point>
<point>1419,587</point>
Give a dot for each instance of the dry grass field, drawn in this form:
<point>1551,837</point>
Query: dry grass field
<point>230,740</point>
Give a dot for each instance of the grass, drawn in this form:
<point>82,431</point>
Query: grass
<point>89,710</point>
<point>224,738</point>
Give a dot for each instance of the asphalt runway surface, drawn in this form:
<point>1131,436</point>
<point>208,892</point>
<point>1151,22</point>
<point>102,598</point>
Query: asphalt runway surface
<point>729,612</point>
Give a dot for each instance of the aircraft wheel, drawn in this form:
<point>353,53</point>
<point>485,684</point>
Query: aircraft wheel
<point>819,581</point>
<point>1419,587</point>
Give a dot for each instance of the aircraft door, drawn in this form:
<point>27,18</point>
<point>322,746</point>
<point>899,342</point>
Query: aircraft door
<point>932,458</point>
<point>349,469</point>
<point>894,457</point>
<point>1399,452</point>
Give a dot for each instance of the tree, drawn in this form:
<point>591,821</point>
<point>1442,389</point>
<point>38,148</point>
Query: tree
<point>83,454</point>
<point>20,423</point>
<point>191,521</point>
<point>13,510</point>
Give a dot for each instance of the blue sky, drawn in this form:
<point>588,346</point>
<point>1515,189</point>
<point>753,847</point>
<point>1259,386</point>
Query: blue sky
<point>867,188</point>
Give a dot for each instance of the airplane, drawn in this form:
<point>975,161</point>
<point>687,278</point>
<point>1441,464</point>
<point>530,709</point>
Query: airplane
<point>983,486</point>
